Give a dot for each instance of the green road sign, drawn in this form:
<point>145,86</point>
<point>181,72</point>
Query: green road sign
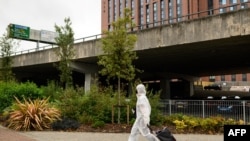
<point>19,31</point>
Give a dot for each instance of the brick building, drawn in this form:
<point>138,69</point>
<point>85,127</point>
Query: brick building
<point>150,13</point>
<point>231,79</point>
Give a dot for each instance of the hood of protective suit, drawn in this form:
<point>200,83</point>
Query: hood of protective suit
<point>141,90</point>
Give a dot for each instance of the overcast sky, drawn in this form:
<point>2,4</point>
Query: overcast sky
<point>85,16</point>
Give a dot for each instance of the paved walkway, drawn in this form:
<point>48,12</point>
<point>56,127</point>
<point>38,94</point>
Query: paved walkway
<point>10,135</point>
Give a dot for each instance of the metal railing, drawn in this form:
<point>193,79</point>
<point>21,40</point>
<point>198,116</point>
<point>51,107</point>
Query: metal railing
<point>198,15</point>
<point>84,39</point>
<point>233,109</point>
<point>173,20</point>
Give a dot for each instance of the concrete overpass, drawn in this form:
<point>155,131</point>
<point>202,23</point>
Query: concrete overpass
<point>213,45</point>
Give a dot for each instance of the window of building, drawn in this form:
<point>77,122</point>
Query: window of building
<point>147,15</point>
<point>179,13</point>
<point>121,8</point>
<point>222,77</point>
<point>244,77</point>
<point>233,7</point>
<point>222,4</point>
<point>178,1</point>
<point>170,11</point>
<point>115,10</point>
<point>233,77</point>
<point>222,10</point>
<point>141,14</point>
<point>155,13</point>
<point>126,3</point>
<point>233,1</point>
<point>162,11</point>
<point>109,11</point>
<point>170,2</point>
<point>133,8</point>
<point>243,5</point>
<point>109,27</point>
<point>210,7</point>
<point>212,78</point>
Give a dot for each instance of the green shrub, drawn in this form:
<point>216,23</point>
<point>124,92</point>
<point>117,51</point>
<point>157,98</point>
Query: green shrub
<point>209,124</point>
<point>86,108</point>
<point>190,124</point>
<point>28,90</point>
<point>157,117</point>
<point>180,125</point>
<point>9,90</point>
<point>52,90</point>
<point>98,103</point>
<point>6,94</point>
<point>32,115</point>
<point>69,103</point>
<point>98,124</point>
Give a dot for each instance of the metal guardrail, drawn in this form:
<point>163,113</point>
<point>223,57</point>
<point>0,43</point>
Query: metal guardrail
<point>174,20</point>
<point>202,14</point>
<point>89,38</point>
<point>229,109</point>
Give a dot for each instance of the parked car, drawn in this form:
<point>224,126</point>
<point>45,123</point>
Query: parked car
<point>229,104</point>
<point>212,87</point>
<point>181,104</point>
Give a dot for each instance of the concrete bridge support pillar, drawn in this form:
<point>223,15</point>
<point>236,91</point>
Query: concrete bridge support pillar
<point>89,71</point>
<point>191,83</point>
<point>165,86</point>
<point>89,80</point>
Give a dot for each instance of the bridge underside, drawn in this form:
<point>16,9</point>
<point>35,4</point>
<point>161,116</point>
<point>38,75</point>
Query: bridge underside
<point>217,57</point>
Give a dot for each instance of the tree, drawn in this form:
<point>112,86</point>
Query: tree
<point>117,46</point>
<point>7,44</point>
<point>65,52</point>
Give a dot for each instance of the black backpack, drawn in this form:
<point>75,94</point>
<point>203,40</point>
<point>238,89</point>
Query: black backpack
<point>164,134</point>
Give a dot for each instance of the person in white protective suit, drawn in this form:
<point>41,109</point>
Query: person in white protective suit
<point>143,111</point>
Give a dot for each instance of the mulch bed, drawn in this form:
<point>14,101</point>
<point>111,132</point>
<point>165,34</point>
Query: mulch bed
<point>121,128</point>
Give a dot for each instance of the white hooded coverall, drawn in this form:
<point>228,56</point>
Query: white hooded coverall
<point>143,111</point>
